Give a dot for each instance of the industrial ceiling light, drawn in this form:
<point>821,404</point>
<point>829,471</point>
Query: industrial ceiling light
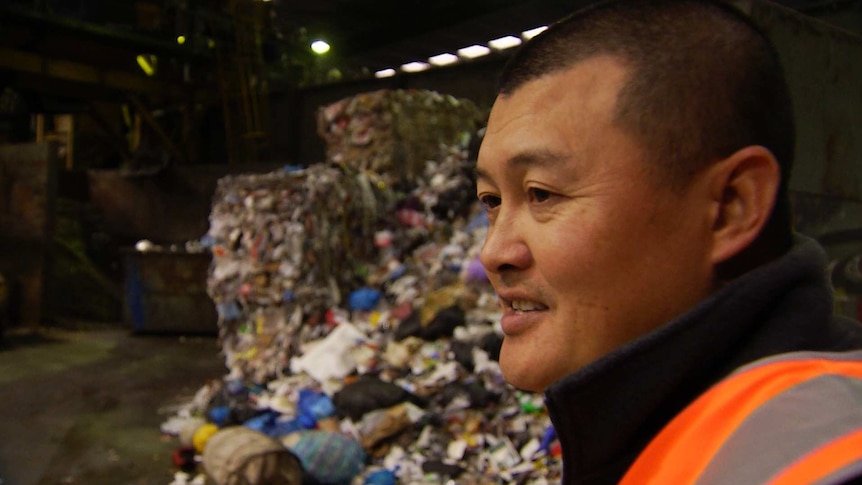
<point>415,66</point>
<point>384,73</point>
<point>320,47</point>
<point>474,51</point>
<point>504,42</point>
<point>443,59</point>
<point>529,34</point>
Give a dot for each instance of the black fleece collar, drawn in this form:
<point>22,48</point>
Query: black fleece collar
<point>606,413</point>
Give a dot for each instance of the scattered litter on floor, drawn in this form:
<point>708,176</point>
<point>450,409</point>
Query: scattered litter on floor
<point>357,325</point>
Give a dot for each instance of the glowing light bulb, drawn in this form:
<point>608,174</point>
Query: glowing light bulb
<point>320,46</point>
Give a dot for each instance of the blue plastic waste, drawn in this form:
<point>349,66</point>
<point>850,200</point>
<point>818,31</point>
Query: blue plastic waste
<point>219,414</point>
<point>262,422</point>
<point>381,477</point>
<point>548,438</point>
<point>313,406</point>
<point>364,299</point>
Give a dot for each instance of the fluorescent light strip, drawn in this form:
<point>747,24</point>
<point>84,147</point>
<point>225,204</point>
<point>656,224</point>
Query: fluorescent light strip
<point>505,42</point>
<point>470,52</point>
<point>443,59</point>
<point>384,73</point>
<point>529,34</point>
<point>474,51</point>
<point>415,66</point>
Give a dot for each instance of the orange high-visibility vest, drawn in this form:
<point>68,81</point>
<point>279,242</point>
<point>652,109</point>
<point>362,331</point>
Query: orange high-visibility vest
<point>792,419</point>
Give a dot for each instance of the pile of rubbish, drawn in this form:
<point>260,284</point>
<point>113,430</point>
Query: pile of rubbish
<point>359,332</point>
<point>394,132</point>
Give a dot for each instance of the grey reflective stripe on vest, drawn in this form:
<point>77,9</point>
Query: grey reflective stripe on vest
<point>818,411</point>
<point>803,355</point>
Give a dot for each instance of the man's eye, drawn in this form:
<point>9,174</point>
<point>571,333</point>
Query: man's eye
<point>539,195</point>
<point>490,201</point>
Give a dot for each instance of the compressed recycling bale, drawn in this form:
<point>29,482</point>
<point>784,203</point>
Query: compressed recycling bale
<point>290,245</point>
<point>286,246</point>
<point>395,132</point>
<point>241,456</point>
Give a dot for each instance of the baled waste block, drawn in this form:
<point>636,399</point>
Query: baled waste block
<point>395,132</point>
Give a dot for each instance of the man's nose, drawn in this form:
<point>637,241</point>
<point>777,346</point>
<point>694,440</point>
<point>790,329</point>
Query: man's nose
<point>505,247</point>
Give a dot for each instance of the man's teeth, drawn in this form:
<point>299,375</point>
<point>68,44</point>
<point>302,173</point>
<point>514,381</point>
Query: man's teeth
<point>526,306</point>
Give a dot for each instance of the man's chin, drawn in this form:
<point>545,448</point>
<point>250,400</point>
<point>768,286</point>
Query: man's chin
<point>521,374</point>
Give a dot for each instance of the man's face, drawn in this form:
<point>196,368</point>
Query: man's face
<point>585,250</point>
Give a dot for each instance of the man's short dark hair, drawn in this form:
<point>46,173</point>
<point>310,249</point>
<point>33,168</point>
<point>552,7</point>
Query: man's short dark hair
<point>703,82</point>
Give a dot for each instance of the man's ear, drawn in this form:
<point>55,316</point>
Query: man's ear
<point>743,188</point>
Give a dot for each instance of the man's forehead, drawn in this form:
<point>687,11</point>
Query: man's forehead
<point>548,118</point>
<point>594,82</point>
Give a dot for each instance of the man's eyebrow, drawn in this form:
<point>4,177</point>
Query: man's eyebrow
<point>538,158</point>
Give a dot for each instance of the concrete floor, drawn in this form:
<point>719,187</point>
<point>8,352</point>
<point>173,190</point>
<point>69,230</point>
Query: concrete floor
<point>84,406</point>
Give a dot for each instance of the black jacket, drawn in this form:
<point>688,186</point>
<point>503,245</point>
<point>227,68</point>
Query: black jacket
<point>607,412</point>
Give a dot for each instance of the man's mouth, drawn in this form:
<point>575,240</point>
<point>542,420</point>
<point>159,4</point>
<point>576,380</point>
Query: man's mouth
<point>525,306</point>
